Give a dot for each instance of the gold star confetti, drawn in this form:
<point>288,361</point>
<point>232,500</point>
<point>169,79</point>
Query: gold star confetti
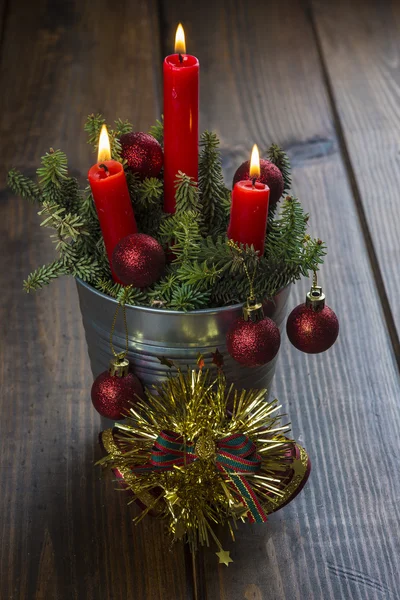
<point>224,558</point>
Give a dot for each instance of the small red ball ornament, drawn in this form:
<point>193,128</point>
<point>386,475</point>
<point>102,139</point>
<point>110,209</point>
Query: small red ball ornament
<point>253,340</point>
<point>269,174</point>
<point>115,390</point>
<point>313,327</point>
<point>143,154</point>
<point>138,260</point>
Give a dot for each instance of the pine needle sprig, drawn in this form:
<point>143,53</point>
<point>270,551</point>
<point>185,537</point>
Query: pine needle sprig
<point>43,275</point>
<point>187,297</point>
<point>24,186</point>
<point>157,130</point>
<point>202,275</point>
<point>186,195</point>
<point>93,127</point>
<point>214,195</point>
<point>277,156</point>
<point>161,295</point>
<point>132,296</point>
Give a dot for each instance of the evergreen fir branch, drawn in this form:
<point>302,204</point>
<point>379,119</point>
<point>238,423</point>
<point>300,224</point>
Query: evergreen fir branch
<point>52,175</point>
<point>161,294</point>
<point>108,286</point>
<point>313,255</point>
<point>181,233</point>
<point>70,195</point>
<point>86,268</point>
<point>67,225</point>
<point>199,274</point>
<point>186,195</point>
<point>147,200</point>
<point>277,156</point>
<point>157,130</point>
<point>149,193</point>
<point>134,184</point>
<point>205,271</point>
<point>215,197</point>
<point>122,127</point>
<point>131,296</point>
<point>43,275</point>
<point>286,233</point>
<point>93,127</point>
<point>87,210</point>
<point>23,186</point>
<point>187,297</point>
<point>216,251</point>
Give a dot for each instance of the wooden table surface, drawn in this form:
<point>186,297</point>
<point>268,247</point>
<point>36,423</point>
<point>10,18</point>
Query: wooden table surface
<point>322,79</point>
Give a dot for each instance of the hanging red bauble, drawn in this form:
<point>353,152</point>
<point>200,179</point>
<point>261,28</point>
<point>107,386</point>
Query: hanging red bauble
<point>138,260</point>
<point>143,154</point>
<point>269,174</point>
<point>313,327</point>
<point>253,340</point>
<point>115,390</point>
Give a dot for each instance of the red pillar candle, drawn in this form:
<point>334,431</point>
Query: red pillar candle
<point>111,197</point>
<point>181,118</point>
<point>249,210</point>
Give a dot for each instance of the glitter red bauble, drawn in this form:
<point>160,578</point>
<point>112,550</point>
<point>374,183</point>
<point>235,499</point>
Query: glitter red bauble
<point>142,153</point>
<point>112,395</point>
<point>269,174</point>
<point>312,331</point>
<point>253,344</point>
<point>138,260</point>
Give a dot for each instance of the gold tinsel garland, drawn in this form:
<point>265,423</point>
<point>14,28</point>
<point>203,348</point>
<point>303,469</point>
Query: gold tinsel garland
<point>198,452</point>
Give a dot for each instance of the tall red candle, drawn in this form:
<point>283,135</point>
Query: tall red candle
<point>181,118</point>
<point>111,197</point>
<point>249,210</point>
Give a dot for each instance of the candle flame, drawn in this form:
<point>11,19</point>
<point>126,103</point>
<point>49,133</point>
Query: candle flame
<point>180,45</point>
<point>255,163</point>
<point>104,152</point>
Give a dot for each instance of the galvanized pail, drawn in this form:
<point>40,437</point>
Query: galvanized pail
<point>178,336</point>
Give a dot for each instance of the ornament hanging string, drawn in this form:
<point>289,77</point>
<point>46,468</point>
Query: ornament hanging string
<point>251,278</point>
<point>122,302</point>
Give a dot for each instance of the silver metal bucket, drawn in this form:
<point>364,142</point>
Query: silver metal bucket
<point>179,336</point>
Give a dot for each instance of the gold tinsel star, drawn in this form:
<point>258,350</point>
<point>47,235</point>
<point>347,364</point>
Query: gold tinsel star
<point>172,497</point>
<point>224,557</point>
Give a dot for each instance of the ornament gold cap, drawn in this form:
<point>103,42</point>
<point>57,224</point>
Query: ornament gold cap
<point>119,366</point>
<point>315,298</point>
<point>253,310</point>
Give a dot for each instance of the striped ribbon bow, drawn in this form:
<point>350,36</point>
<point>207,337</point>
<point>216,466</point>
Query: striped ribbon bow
<point>235,456</point>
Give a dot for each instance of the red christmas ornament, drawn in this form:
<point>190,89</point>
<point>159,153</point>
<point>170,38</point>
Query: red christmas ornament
<point>138,260</point>
<point>313,327</point>
<point>253,340</point>
<point>269,174</point>
<point>115,390</point>
<point>142,153</point>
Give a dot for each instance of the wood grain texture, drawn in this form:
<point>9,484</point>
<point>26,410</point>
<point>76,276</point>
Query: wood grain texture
<point>64,532</point>
<point>261,81</point>
<point>361,50</point>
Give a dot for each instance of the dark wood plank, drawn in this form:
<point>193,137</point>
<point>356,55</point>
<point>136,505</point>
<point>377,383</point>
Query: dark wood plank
<point>64,532</point>
<point>360,47</point>
<point>261,81</point>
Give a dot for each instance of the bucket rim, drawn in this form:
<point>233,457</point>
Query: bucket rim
<point>159,311</point>
<point>163,311</point>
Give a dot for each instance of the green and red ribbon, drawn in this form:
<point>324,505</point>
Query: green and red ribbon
<point>235,457</point>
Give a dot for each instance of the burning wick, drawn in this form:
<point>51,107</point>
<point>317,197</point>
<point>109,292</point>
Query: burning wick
<point>106,169</point>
